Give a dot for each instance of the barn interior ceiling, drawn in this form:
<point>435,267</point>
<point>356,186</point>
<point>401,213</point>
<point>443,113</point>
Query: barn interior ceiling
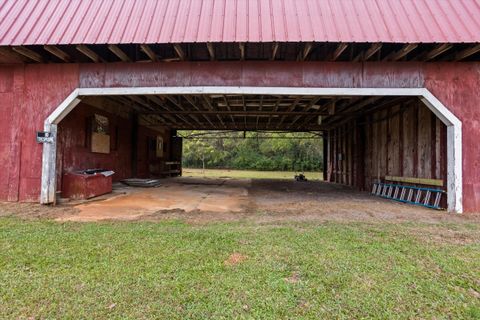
<point>276,51</point>
<point>246,112</point>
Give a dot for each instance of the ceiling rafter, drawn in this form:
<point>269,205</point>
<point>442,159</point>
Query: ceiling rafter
<point>466,53</point>
<point>313,102</point>
<point>149,52</point>
<point>202,112</point>
<point>338,51</point>
<point>211,50</point>
<point>26,52</point>
<point>89,53</point>
<point>397,55</point>
<point>367,54</point>
<point>119,53</point>
<point>209,105</point>
<point>225,99</point>
<point>57,52</point>
<point>179,50</point>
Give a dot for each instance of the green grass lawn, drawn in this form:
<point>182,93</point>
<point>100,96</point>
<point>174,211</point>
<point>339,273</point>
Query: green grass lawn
<point>173,270</point>
<point>247,174</point>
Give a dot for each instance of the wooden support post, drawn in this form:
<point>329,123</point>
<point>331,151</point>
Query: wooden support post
<point>326,142</point>
<point>134,144</point>
<point>49,161</point>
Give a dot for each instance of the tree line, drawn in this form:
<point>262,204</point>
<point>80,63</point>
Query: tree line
<point>252,151</point>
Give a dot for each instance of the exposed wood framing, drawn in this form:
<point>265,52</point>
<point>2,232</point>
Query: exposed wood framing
<point>438,50</point>
<point>149,52</point>
<point>179,51</point>
<point>89,53</point>
<point>28,53</point>
<point>119,52</point>
<point>208,103</point>
<point>367,54</point>
<point>303,55</point>
<point>397,55</point>
<point>229,109</point>
<point>241,46</point>
<point>338,51</point>
<point>467,53</point>
<point>211,50</point>
<point>274,50</point>
<point>59,53</point>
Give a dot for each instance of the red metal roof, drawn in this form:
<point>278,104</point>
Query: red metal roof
<point>39,22</point>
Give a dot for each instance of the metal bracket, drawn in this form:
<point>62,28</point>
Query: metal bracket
<point>44,137</point>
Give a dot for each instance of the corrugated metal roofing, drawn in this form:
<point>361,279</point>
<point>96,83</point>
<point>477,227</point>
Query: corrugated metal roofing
<point>39,22</point>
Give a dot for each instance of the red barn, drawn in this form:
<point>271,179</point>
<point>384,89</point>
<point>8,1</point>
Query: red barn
<point>392,84</point>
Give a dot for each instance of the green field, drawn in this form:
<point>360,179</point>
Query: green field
<point>174,270</point>
<point>247,174</point>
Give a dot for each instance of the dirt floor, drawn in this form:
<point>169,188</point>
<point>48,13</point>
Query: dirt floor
<point>202,200</point>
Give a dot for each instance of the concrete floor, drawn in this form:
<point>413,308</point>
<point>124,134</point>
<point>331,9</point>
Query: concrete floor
<point>206,199</point>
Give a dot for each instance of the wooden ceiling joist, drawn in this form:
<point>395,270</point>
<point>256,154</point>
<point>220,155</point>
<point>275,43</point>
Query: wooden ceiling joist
<point>438,50</point>
<point>179,50</point>
<point>57,52</point>
<point>467,52</point>
<point>92,55</point>
<point>367,54</point>
<point>274,50</point>
<point>303,55</point>
<point>119,53</point>
<point>338,51</point>
<point>397,55</point>
<point>30,54</point>
<point>241,46</point>
<point>211,50</point>
<point>149,52</point>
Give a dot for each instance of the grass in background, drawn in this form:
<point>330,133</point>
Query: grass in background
<point>247,174</point>
<point>172,270</point>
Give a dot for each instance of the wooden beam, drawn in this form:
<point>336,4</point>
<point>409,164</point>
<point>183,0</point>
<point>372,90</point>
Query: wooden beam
<point>119,52</point>
<point>211,50</point>
<point>397,55</point>
<point>367,54</point>
<point>179,51</point>
<point>149,52</point>
<point>12,56</point>
<point>57,52</point>
<point>28,53</point>
<point>211,108</point>
<point>329,106</point>
<point>203,113</point>
<point>339,50</point>
<point>303,55</point>
<point>89,53</point>
<point>309,107</point>
<point>238,113</point>
<point>229,109</point>
<point>275,109</point>
<point>290,109</point>
<point>274,50</point>
<point>241,46</point>
<point>428,182</point>
<point>179,105</point>
<point>438,50</point>
<point>466,53</point>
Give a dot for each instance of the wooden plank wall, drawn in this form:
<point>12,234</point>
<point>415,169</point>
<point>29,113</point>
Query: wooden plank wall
<point>405,140</point>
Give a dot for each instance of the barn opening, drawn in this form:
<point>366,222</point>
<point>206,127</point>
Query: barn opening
<point>369,136</point>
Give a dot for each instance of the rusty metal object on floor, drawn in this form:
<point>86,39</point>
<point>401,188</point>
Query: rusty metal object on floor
<point>142,183</point>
